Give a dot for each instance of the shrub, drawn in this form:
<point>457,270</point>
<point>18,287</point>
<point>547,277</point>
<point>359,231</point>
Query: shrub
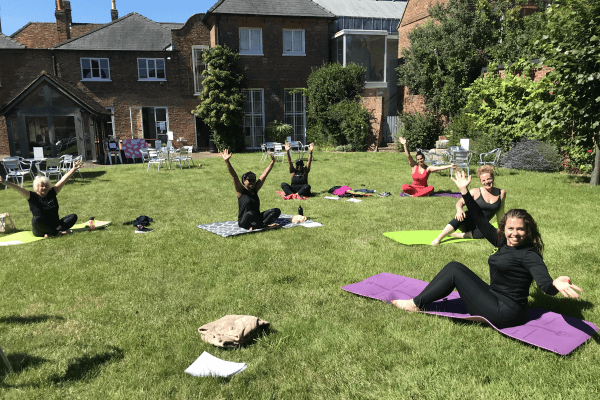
<point>532,155</point>
<point>420,130</point>
<point>353,122</point>
<point>278,131</point>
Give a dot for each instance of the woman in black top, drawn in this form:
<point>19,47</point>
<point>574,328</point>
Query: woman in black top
<point>299,174</point>
<point>249,215</point>
<point>44,204</point>
<point>489,198</point>
<point>513,266</point>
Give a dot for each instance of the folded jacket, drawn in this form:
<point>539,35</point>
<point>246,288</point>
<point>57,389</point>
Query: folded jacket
<point>232,330</point>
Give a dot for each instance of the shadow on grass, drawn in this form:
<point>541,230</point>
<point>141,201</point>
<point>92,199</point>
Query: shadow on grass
<point>88,366</point>
<point>579,179</point>
<point>19,362</point>
<point>30,319</point>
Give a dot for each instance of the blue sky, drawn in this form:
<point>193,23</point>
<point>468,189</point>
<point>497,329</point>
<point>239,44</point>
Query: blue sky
<point>16,13</point>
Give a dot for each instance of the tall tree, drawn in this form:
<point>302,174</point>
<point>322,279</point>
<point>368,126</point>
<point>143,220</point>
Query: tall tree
<point>571,45</point>
<point>222,102</point>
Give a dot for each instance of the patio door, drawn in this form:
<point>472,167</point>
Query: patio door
<point>254,117</point>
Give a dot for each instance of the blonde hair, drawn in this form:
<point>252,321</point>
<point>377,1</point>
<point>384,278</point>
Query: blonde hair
<point>485,169</point>
<point>39,179</point>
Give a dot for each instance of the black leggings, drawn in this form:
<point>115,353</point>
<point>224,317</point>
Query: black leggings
<point>254,220</point>
<point>41,227</point>
<point>477,296</point>
<point>302,190</point>
<point>467,225</point>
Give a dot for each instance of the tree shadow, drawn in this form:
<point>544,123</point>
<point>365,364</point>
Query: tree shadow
<point>20,362</point>
<point>30,319</point>
<point>579,179</point>
<point>88,366</point>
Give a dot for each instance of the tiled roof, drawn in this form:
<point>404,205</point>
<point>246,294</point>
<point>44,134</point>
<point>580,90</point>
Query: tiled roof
<point>76,93</point>
<point>364,8</point>
<point>172,25</point>
<point>43,35</point>
<point>288,8</point>
<point>8,43</point>
<point>130,32</point>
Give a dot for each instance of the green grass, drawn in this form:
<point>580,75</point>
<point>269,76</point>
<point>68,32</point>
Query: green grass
<point>113,314</point>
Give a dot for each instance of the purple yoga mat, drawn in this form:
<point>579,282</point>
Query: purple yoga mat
<point>551,331</point>
<point>442,194</point>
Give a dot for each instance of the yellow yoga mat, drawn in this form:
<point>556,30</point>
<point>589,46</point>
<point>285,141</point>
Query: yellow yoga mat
<point>27,236</point>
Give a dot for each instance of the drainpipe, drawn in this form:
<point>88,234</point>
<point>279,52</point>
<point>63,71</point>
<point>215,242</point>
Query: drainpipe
<point>54,67</point>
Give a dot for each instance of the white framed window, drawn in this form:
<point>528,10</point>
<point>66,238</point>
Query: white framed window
<point>111,124</point>
<point>254,117</point>
<point>198,66</point>
<point>251,41</point>
<point>295,114</point>
<point>151,69</point>
<point>161,119</point>
<point>293,42</point>
<point>95,69</point>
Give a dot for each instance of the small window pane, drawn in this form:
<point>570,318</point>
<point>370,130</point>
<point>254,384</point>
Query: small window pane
<point>244,41</point>
<point>160,68</point>
<point>142,68</point>
<point>298,41</point>
<point>255,40</point>
<point>287,40</point>
<point>161,114</point>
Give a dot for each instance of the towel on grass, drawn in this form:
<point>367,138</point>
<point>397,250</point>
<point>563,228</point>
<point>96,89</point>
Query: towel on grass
<point>232,330</point>
<point>293,196</point>
<point>27,236</point>
<point>231,228</point>
<point>209,365</point>
<point>551,331</point>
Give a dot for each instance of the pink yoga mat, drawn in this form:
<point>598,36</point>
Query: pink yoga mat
<point>551,331</point>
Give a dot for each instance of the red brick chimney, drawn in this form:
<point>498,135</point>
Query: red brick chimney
<point>114,14</point>
<point>63,20</point>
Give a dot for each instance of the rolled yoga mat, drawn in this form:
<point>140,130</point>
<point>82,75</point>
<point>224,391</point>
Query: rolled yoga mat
<point>545,329</point>
<point>27,236</point>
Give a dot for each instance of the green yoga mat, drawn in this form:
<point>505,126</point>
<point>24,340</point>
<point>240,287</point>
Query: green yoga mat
<point>411,238</point>
<point>27,236</point>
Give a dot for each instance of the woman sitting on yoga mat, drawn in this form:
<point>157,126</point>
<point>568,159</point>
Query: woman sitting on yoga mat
<point>489,198</point>
<point>44,205</point>
<point>299,174</point>
<point>420,173</point>
<point>513,266</point>
<point>249,215</point>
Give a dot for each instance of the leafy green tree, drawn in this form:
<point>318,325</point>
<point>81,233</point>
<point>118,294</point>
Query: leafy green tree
<point>334,113</point>
<point>221,101</point>
<point>571,45</point>
<point>447,53</point>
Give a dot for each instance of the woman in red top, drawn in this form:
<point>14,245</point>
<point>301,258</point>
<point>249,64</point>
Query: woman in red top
<point>420,173</point>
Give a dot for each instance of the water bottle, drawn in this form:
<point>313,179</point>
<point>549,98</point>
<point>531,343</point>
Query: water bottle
<point>300,210</point>
<point>92,224</point>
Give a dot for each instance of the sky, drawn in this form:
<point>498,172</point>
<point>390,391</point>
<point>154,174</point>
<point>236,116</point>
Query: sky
<point>14,14</point>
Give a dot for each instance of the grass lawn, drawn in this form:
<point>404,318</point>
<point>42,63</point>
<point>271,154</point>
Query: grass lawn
<point>113,314</point>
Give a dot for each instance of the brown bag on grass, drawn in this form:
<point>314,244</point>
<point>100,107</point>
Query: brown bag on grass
<point>6,224</point>
<point>232,330</point>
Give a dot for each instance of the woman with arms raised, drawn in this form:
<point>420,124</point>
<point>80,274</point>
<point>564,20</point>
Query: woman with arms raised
<point>249,215</point>
<point>420,174</point>
<point>44,204</point>
<point>517,262</point>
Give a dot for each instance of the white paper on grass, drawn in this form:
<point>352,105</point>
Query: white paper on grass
<point>311,224</point>
<point>353,200</point>
<point>331,198</point>
<point>209,365</point>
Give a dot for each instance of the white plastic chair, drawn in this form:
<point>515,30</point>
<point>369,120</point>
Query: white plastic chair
<point>26,166</point>
<point>263,148</point>
<point>185,154</point>
<point>67,164</point>
<point>490,158</point>
<point>53,167</point>
<point>157,144</point>
<point>278,151</point>
<point>113,150</point>
<point>12,165</point>
<point>462,159</point>
<point>155,157</point>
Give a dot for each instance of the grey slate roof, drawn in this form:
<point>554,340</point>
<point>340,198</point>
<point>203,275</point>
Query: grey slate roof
<point>130,32</point>
<point>288,8</point>
<point>66,87</point>
<point>364,8</point>
<point>8,43</point>
<point>172,25</point>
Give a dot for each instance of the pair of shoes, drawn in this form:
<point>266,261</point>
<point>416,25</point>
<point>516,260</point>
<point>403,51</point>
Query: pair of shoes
<point>384,194</point>
<point>142,229</point>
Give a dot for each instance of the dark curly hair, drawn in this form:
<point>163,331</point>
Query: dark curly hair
<point>532,234</point>
<point>248,176</point>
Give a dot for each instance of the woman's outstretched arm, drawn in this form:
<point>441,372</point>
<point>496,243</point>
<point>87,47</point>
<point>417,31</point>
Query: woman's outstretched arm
<point>441,168</point>
<point>310,150</point>
<point>288,147</point>
<point>411,162</point>
<point>59,185</point>
<point>265,173</point>
<point>236,181</point>
<point>22,192</point>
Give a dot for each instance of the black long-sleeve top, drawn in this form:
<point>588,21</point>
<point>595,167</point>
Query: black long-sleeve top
<point>512,269</point>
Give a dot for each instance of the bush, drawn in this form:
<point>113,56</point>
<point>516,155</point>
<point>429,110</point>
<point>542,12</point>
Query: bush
<point>532,155</point>
<point>420,130</point>
<point>353,121</point>
<point>279,131</point>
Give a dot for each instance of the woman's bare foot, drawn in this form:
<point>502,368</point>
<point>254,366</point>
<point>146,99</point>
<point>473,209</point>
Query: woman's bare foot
<point>274,226</point>
<point>407,305</point>
<point>460,235</point>
<point>435,242</point>
<point>45,236</point>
